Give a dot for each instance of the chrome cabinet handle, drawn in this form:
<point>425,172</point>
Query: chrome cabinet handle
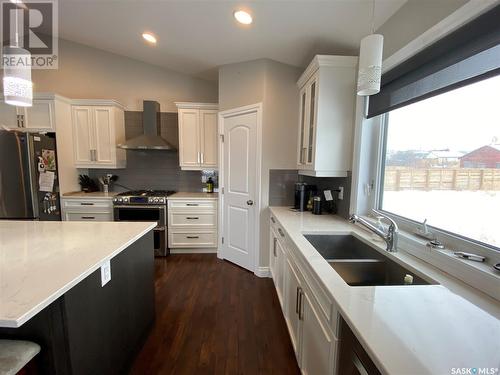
<point>272,219</point>
<point>88,217</point>
<point>281,232</point>
<point>192,218</point>
<point>301,308</point>
<point>250,202</point>
<point>192,237</point>
<point>274,246</point>
<point>192,204</point>
<point>86,204</point>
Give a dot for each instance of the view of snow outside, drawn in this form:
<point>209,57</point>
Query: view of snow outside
<point>437,134</point>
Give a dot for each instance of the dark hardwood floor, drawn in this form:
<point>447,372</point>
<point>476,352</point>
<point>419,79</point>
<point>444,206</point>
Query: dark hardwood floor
<point>213,317</point>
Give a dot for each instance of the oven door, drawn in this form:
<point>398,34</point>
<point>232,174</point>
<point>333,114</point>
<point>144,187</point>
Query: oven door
<point>147,213</point>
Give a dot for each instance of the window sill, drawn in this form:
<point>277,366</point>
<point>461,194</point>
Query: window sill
<point>479,275</point>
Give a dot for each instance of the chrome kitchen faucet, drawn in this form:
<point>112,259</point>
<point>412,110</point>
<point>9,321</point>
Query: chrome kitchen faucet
<point>391,237</point>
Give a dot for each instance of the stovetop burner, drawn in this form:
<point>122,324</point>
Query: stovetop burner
<point>146,193</point>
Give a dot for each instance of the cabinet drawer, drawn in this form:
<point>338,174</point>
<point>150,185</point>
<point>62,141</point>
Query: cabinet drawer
<point>88,204</point>
<point>184,220</point>
<point>185,239</point>
<point>88,216</point>
<point>191,205</point>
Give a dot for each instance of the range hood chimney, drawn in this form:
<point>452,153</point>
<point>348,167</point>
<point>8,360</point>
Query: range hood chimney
<point>151,139</point>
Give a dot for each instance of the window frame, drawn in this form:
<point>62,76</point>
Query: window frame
<point>443,235</point>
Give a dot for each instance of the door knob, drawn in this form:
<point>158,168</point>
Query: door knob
<point>250,202</point>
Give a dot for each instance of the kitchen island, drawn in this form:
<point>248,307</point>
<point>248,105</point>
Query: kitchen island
<point>52,292</point>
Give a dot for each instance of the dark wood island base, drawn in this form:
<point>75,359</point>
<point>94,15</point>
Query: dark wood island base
<point>93,329</point>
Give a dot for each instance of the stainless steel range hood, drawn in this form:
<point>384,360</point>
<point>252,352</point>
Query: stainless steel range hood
<point>151,139</point>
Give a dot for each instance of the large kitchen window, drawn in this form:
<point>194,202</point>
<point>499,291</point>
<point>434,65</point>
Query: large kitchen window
<point>441,162</point>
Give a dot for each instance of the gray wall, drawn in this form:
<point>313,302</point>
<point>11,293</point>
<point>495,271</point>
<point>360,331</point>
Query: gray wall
<point>413,19</point>
<point>153,169</point>
<point>282,189</point>
<point>91,73</point>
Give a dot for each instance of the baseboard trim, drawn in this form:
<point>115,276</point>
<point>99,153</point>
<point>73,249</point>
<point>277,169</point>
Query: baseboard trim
<point>262,272</point>
<point>194,251</point>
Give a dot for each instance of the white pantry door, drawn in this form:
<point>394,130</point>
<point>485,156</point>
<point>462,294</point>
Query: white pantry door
<point>240,180</point>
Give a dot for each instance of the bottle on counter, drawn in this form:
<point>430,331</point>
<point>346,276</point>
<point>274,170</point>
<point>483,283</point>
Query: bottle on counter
<point>210,185</point>
<point>316,205</point>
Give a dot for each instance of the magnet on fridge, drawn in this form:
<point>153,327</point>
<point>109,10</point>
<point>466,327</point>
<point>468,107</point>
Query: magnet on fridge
<point>41,164</point>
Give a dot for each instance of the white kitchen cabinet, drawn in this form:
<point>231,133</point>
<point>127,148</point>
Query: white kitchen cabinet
<point>307,313</point>
<point>98,127</point>
<point>291,306</point>
<point>192,224</point>
<point>318,345</point>
<point>39,117</point>
<point>86,209</point>
<point>197,136</point>
<point>326,116</point>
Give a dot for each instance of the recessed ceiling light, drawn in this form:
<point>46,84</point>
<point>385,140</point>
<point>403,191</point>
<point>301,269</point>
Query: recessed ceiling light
<point>150,38</point>
<point>243,17</point>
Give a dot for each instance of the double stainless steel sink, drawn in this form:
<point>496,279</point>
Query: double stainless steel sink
<point>359,264</point>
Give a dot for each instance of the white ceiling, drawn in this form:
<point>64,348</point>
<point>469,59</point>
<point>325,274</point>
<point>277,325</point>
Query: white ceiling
<point>195,37</point>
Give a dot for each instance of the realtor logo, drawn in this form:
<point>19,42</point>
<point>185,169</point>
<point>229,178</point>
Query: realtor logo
<point>32,26</point>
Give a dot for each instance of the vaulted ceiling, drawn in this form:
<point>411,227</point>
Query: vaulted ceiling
<point>195,37</point>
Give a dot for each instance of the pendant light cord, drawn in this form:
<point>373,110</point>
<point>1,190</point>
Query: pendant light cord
<point>373,17</point>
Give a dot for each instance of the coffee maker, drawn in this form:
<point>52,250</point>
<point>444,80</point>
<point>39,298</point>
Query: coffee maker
<point>303,192</point>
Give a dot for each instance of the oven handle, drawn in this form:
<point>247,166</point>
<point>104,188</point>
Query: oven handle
<point>161,207</point>
<point>159,229</point>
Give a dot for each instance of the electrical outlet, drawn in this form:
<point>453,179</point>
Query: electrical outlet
<point>105,273</point>
<point>341,193</point>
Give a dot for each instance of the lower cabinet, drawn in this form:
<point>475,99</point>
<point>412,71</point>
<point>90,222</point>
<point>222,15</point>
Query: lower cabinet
<point>291,310</point>
<point>319,347</point>
<point>277,263</point>
<point>311,332</point>
<point>86,209</point>
<point>192,223</point>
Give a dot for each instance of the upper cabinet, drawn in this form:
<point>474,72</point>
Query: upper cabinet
<point>326,116</point>
<point>98,127</point>
<point>197,136</point>
<point>39,117</point>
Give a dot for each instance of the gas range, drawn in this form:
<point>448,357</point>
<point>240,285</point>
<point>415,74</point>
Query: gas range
<point>142,197</point>
<point>145,205</point>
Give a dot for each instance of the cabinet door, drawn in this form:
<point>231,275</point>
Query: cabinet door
<point>292,292</point>
<point>208,138</point>
<point>189,145</point>
<point>280,270</point>
<point>104,139</point>
<point>312,97</point>
<point>40,116</point>
<point>318,345</point>
<point>8,116</point>
<point>82,135</point>
<point>273,254</point>
<point>301,151</point>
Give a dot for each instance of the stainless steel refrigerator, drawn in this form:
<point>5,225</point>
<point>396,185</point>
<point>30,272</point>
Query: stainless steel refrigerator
<point>29,188</point>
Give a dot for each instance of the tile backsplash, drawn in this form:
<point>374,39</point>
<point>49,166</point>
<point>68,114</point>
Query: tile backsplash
<point>282,189</point>
<point>154,169</point>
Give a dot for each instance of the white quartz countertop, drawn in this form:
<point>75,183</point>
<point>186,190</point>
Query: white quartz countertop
<point>42,260</point>
<point>428,329</point>
<point>193,195</point>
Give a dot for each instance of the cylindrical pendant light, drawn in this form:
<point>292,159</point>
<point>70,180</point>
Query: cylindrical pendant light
<point>17,84</point>
<point>370,61</point>
<point>370,64</point>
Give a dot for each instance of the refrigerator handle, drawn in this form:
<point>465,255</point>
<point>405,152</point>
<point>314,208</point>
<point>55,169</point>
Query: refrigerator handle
<point>32,171</point>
